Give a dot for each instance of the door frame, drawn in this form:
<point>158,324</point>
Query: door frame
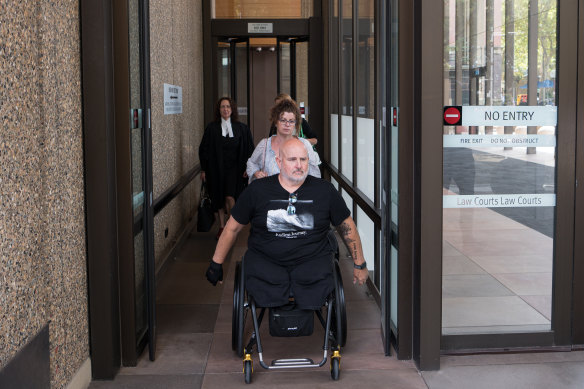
<point>576,11</point>
<point>237,28</point>
<point>97,78</point>
<point>429,343</point>
<point>129,226</point>
<point>108,192</point>
<point>311,27</point>
<point>129,351</point>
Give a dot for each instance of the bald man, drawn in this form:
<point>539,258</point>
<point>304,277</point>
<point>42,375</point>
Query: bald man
<point>288,250</point>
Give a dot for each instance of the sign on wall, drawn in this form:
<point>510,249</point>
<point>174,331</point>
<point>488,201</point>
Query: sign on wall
<point>536,116</point>
<point>505,115</point>
<point>499,200</point>
<point>172,99</point>
<point>499,140</point>
<point>260,28</point>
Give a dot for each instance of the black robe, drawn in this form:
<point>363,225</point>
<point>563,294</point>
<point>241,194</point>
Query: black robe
<point>211,157</point>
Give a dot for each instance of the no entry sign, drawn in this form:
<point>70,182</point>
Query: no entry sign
<point>537,115</point>
<point>452,115</point>
<point>500,115</point>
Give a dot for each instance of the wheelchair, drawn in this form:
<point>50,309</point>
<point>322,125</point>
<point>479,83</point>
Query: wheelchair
<point>332,316</point>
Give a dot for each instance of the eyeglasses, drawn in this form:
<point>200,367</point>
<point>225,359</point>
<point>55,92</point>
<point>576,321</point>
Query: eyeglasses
<point>287,122</point>
<point>225,106</point>
<point>291,201</point>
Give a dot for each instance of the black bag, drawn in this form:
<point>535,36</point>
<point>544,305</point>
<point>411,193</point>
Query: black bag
<point>289,320</point>
<point>205,215</point>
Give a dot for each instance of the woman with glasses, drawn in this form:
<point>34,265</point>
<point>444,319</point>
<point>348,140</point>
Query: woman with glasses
<point>305,129</point>
<point>285,116</point>
<point>224,150</point>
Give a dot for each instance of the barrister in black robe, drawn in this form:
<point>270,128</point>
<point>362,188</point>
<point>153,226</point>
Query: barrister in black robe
<point>224,150</point>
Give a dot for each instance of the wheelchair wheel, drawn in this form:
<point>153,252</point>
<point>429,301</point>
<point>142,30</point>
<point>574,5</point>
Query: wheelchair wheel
<point>247,370</point>
<point>237,318</point>
<point>339,314</point>
<point>335,368</point>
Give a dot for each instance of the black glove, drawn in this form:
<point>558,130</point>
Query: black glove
<point>214,272</point>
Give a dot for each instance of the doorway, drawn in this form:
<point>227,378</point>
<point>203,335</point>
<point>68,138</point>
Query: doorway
<point>263,85</point>
<point>134,183</point>
<point>253,71</point>
<point>500,248</point>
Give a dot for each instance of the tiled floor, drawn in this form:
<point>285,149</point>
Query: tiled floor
<point>194,336</point>
<point>497,274</point>
<point>496,278</point>
<point>509,371</point>
<point>194,344</point>
<point>363,359</point>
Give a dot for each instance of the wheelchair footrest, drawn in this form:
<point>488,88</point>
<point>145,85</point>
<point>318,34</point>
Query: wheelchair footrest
<point>295,362</point>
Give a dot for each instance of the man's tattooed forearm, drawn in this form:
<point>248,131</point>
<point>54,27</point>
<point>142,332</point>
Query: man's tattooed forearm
<point>344,229</point>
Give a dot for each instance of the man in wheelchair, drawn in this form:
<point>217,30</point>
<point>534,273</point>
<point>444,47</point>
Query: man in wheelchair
<point>289,252</point>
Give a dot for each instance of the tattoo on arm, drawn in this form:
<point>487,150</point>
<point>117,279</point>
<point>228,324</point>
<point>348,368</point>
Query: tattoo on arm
<point>344,229</point>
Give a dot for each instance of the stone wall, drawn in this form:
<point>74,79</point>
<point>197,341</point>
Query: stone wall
<point>176,57</point>
<point>42,219</point>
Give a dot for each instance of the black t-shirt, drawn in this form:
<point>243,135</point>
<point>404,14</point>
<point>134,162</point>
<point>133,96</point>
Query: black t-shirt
<point>290,236</point>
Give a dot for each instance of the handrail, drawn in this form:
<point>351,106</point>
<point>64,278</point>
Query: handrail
<point>168,195</point>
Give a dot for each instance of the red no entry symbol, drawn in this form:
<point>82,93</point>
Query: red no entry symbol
<point>452,116</point>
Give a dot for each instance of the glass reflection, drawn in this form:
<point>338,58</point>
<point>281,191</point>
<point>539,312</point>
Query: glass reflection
<point>499,199</point>
<point>252,9</point>
<point>347,89</point>
<point>224,69</point>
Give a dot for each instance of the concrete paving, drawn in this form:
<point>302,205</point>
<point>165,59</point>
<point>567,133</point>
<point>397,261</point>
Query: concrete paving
<point>194,344</point>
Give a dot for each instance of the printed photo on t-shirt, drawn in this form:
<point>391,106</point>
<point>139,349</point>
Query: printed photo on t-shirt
<point>293,220</point>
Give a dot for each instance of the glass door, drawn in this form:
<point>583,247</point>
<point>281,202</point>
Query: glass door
<point>233,75</point>
<point>390,141</point>
<point>293,69</point>
<point>284,67</point>
<point>143,271</point>
<point>499,170</point>
<point>137,171</point>
<point>241,66</point>
<point>224,65</point>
